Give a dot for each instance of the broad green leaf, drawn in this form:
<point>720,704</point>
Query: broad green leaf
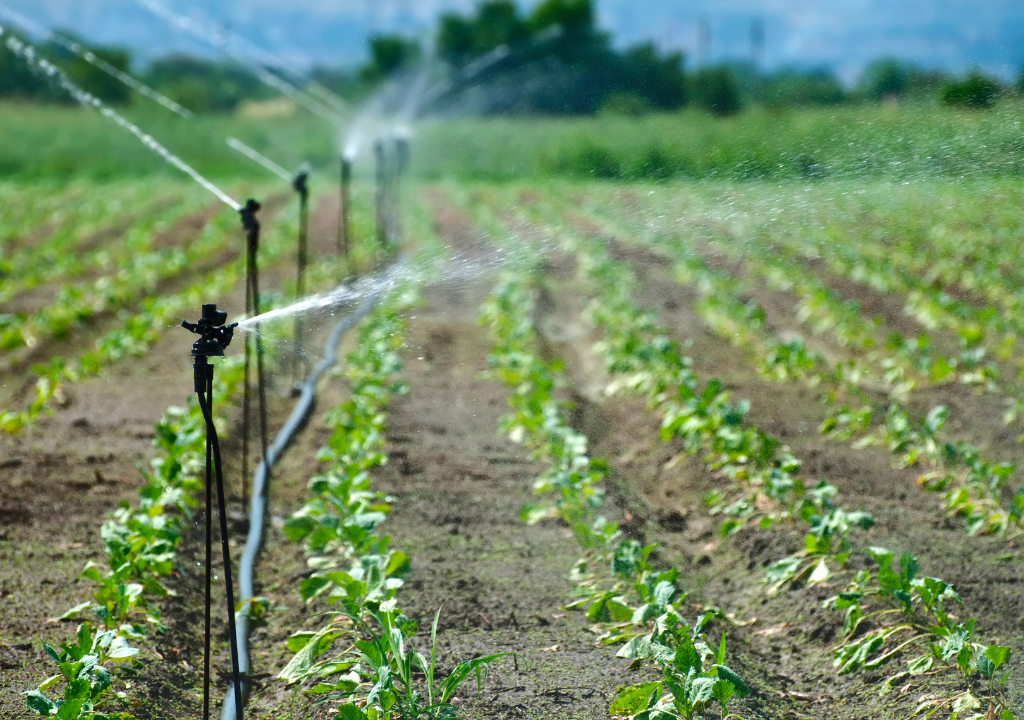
<point>701,690</point>
<point>312,586</point>
<point>782,570</point>
<point>726,673</point>
<point>120,649</point>
<point>48,648</point>
<point>722,691</point>
<point>299,640</point>
<point>985,666</point>
<point>350,712</point>
<point>50,682</point>
<point>998,654</point>
<point>908,565</point>
<point>920,665</point>
<point>967,701</point>
<point>39,702</point>
<point>635,698</point>
<point>304,660</point>
<point>75,610</point>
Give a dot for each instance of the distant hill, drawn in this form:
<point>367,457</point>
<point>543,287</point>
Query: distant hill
<point>841,34</point>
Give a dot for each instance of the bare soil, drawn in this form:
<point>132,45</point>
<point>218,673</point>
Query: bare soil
<point>457,487</point>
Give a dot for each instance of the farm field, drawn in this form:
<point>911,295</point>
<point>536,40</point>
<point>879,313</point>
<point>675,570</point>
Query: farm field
<point>739,443</point>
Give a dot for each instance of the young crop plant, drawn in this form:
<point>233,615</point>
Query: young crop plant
<point>378,674</point>
<point>139,330</point>
<point>920,600</point>
<point>86,680</point>
<point>895,616</point>
<point>141,545</point>
<point>971,486</point>
<point>637,605</point>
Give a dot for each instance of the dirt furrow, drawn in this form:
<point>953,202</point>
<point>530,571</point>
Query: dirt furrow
<point>788,647</point>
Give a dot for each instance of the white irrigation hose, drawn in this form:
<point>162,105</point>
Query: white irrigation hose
<point>258,503</point>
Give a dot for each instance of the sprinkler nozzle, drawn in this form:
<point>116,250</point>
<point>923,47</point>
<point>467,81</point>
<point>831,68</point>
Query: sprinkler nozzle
<point>214,336</point>
<point>300,183</point>
<point>249,221</point>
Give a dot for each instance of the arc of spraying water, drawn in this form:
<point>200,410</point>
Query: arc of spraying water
<point>228,46</point>
<point>31,56</point>
<point>32,27</point>
<point>260,159</point>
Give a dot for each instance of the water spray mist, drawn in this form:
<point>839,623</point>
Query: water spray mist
<point>29,54</point>
<point>227,44</point>
<point>31,27</point>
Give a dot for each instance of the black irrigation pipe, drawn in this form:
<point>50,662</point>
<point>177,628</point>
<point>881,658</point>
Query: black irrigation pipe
<point>258,500</point>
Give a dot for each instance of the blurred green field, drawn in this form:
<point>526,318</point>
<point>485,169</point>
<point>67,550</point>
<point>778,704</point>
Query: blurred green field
<point>68,143</point>
<point>899,141</point>
<point>896,141</point>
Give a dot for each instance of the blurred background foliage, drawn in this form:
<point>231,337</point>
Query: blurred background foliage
<point>552,60</point>
<point>534,94</point>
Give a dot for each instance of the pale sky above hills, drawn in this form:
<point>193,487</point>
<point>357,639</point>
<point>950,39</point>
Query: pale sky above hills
<point>842,34</point>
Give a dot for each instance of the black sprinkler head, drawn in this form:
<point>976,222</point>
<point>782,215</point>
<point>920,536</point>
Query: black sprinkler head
<point>213,316</point>
<point>301,181</point>
<point>214,337</point>
<point>248,213</point>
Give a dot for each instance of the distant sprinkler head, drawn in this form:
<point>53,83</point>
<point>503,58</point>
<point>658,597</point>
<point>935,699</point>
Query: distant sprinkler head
<point>301,181</point>
<point>248,213</point>
<point>214,337</point>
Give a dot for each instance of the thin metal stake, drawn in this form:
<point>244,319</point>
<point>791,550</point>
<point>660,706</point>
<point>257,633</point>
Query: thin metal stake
<point>252,230</point>
<point>300,366</point>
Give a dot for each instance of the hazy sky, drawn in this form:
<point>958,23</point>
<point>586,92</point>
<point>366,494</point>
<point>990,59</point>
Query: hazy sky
<point>842,34</point>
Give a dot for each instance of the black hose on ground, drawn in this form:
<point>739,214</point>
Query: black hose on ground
<point>258,500</point>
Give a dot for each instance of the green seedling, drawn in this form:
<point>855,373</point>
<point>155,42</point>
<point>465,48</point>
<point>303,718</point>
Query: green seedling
<point>83,675</point>
<point>895,614</point>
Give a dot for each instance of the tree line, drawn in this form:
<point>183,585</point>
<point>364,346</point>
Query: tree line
<point>551,60</point>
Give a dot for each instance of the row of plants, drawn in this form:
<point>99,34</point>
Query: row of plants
<point>99,253</point>
<point>365,655</point>
<point>615,584</point>
<point>140,544</point>
<point>865,395</point>
<point>41,222</point>
<point>897,362</point>
<point>888,614</point>
<point>642,365</point>
<point>972,487</point>
<point>143,326</point>
<point>934,264</point>
<point>75,303</point>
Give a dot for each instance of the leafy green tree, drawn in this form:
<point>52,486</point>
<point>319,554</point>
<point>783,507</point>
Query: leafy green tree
<point>455,39</point>
<point>1020,81</point>
<point>205,85</point>
<point>976,90</point>
<point>885,78</point>
<point>716,90</point>
<point>88,76</point>
<point>659,79</point>
<point>576,17</point>
<point>389,54</point>
<point>16,78</point>
<point>498,23</point>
